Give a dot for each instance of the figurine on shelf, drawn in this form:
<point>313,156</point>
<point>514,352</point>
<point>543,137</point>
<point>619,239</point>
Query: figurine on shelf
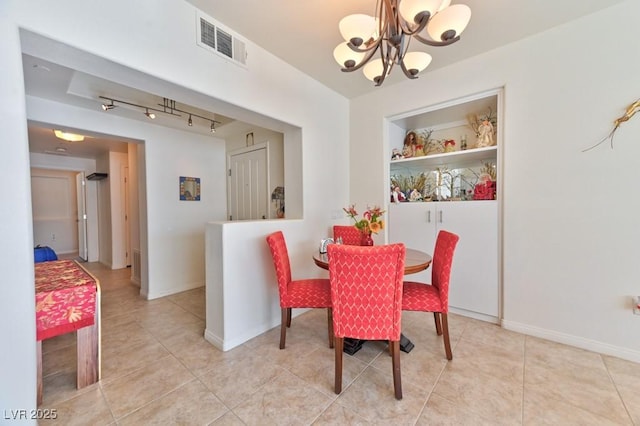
<point>449,145</point>
<point>415,195</point>
<point>397,195</point>
<point>463,142</point>
<point>410,142</point>
<point>485,134</point>
<point>396,154</point>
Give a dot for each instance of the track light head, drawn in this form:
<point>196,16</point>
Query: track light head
<point>150,114</point>
<point>190,122</point>
<point>107,107</point>
<point>213,127</point>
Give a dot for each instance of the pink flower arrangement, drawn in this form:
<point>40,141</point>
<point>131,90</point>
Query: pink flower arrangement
<point>371,221</point>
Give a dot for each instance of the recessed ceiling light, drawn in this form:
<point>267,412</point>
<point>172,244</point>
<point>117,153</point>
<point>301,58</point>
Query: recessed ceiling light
<point>70,137</point>
<point>61,149</point>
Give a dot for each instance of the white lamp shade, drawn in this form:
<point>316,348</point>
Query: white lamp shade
<point>342,53</point>
<point>358,25</point>
<point>374,69</point>
<point>417,60</point>
<point>444,5</point>
<point>455,17</point>
<point>410,8</point>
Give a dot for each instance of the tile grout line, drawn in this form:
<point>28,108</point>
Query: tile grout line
<point>615,385</point>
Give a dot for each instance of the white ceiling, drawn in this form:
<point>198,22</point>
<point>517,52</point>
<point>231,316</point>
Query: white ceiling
<point>302,33</point>
<point>305,32</point>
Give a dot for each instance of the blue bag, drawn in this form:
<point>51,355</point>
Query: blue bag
<point>44,254</point>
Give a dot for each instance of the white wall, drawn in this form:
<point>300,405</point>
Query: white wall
<point>570,218</point>
<point>17,308</point>
<point>268,86</point>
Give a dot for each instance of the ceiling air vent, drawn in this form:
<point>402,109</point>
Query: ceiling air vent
<point>221,41</point>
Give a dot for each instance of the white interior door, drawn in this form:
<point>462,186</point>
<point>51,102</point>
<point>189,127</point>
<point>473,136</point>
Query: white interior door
<point>248,184</point>
<point>127,226</point>
<point>82,215</point>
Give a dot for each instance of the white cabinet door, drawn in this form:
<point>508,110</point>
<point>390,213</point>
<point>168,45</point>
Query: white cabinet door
<point>474,273</point>
<point>414,224</point>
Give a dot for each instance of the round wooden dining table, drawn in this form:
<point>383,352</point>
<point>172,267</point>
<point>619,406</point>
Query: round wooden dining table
<point>414,261</point>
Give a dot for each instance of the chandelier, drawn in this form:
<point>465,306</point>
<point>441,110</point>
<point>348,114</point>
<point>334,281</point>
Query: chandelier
<point>391,31</point>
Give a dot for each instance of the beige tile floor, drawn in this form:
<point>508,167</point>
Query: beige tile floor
<point>158,369</point>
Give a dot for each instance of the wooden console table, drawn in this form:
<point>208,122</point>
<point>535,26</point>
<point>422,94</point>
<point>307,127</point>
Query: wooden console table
<point>67,300</point>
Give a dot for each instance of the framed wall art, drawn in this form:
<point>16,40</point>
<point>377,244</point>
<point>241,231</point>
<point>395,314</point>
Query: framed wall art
<point>189,188</point>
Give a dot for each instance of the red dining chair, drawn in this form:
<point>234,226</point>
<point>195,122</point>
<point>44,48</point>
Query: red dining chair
<point>434,297</point>
<point>350,235</point>
<point>366,294</point>
<point>303,293</point>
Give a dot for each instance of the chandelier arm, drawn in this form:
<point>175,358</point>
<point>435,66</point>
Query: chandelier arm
<point>390,13</point>
<point>421,24</point>
<point>371,46</point>
<point>406,72</point>
<point>385,70</point>
<point>387,65</point>
<point>363,61</point>
<point>435,43</point>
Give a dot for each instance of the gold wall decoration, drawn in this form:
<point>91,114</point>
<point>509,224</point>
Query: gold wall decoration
<point>630,111</point>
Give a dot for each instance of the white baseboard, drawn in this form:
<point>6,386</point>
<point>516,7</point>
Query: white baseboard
<point>174,290</point>
<point>228,344</point>
<point>474,315</point>
<point>578,342</point>
<point>214,340</point>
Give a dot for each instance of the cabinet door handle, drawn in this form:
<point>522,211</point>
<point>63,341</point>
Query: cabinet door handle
<point>429,216</point>
<point>440,216</point>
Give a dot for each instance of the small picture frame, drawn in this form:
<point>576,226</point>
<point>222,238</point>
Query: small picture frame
<point>189,188</point>
<point>249,139</point>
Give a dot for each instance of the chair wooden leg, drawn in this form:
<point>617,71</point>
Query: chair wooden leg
<point>330,326</point>
<point>283,326</point>
<point>445,329</point>
<point>436,317</point>
<point>397,381</point>
<point>339,346</point>
<point>289,317</point>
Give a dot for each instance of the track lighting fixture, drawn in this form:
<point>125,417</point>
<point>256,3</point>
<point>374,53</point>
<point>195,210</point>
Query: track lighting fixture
<point>168,107</point>
<point>107,107</point>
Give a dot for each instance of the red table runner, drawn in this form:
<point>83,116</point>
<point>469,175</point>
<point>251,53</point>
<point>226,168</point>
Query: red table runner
<point>65,298</point>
